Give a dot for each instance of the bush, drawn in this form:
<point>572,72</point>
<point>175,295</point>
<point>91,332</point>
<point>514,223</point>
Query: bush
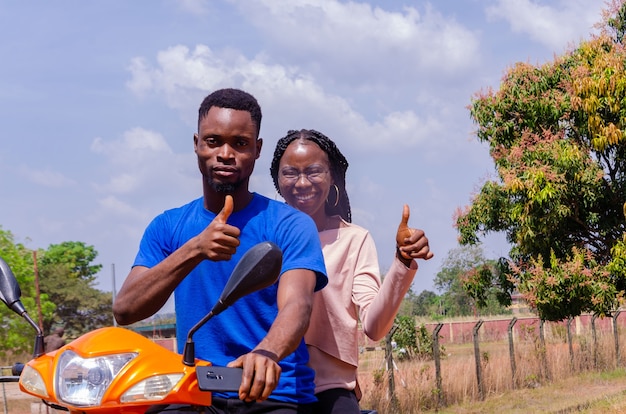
<point>412,343</point>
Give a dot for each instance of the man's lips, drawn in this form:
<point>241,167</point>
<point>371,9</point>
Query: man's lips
<point>224,171</point>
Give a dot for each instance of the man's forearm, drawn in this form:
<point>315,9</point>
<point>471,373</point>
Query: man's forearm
<point>145,290</point>
<point>286,332</point>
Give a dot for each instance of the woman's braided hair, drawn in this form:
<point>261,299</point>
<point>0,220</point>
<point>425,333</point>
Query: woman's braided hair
<point>338,167</point>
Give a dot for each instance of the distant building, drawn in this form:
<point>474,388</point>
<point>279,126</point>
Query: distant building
<point>518,305</point>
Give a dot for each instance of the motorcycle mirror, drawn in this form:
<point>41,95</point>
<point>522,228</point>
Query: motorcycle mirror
<point>10,291</point>
<point>10,294</point>
<point>258,268</point>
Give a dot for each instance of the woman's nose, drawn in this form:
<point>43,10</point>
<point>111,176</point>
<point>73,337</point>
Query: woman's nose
<point>302,180</point>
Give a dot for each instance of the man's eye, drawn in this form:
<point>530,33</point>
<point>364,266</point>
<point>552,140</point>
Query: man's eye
<point>242,143</point>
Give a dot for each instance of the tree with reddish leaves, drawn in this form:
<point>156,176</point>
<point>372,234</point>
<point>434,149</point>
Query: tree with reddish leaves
<point>557,136</point>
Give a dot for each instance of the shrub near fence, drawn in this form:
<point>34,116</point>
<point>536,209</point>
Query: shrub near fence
<point>471,368</point>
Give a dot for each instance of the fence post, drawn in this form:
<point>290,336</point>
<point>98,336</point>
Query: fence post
<point>4,400</point>
<point>481,392</point>
<point>392,381</point>
<point>570,344</point>
<point>512,351</point>
<point>594,335</point>
<point>616,336</point>
<point>544,350</point>
<point>437,357</point>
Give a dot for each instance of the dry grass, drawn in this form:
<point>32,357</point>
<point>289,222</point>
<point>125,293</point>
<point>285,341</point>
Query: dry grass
<point>557,389</point>
<point>568,385</point>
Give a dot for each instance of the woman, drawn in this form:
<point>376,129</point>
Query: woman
<point>309,172</point>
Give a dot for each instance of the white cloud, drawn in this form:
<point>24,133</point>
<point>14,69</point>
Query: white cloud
<point>46,178</point>
<point>556,26</point>
<point>357,40</point>
<point>296,95</point>
<point>135,163</point>
<point>137,143</point>
<point>197,7</point>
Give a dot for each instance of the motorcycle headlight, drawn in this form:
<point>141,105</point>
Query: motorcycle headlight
<point>33,382</point>
<point>83,381</point>
<point>152,389</point>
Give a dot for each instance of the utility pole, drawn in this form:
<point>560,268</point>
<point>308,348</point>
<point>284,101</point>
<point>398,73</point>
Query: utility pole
<point>114,290</point>
<point>37,293</point>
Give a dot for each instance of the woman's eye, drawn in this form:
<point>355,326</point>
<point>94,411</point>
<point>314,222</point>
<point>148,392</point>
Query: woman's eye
<point>290,174</point>
<point>315,173</point>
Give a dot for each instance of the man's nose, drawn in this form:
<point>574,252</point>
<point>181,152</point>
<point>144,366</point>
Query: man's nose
<point>226,152</point>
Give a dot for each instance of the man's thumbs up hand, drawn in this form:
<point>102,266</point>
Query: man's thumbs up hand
<point>219,240</point>
<point>222,216</point>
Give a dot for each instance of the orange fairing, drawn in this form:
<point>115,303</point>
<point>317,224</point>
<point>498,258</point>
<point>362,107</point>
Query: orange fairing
<point>113,370</point>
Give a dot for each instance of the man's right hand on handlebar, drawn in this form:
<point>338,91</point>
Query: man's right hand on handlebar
<point>260,375</point>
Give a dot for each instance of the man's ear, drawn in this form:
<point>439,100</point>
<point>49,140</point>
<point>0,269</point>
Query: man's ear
<point>259,145</point>
<point>195,142</point>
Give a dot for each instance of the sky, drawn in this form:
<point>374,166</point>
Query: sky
<point>99,104</point>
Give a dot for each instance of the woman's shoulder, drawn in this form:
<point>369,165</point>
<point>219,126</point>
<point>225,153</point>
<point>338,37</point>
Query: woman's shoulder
<point>351,230</point>
<point>350,226</point>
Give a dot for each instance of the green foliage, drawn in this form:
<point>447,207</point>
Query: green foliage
<point>67,276</point>
<point>17,334</point>
<point>556,136</point>
<point>567,288</point>
<point>617,266</point>
<point>67,295</point>
<point>411,342</point>
<point>489,283</point>
<point>75,258</point>
<point>405,335</point>
<point>425,304</point>
<point>470,283</point>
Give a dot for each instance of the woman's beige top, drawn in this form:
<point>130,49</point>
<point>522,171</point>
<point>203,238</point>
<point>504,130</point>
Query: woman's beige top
<point>353,293</point>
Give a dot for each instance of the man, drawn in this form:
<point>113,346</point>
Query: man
<point>191,251</point>
<point>55,340</point>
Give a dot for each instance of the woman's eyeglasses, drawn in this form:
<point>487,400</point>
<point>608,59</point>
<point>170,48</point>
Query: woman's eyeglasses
<point>291,175</point>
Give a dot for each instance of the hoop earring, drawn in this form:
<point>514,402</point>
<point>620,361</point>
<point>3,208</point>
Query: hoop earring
<point>336,198</point>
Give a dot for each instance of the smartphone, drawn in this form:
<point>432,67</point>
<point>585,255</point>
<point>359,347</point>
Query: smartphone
<point>212,378</point>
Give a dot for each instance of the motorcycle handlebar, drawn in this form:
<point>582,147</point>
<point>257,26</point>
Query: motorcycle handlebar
<point>16,371</point>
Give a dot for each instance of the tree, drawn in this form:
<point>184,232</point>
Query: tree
<point>67,276</point>
<point>490,285</point>
<point>464,270</point>
<point>17,334</point>
<point>425,304</point>
<point>556,136</point>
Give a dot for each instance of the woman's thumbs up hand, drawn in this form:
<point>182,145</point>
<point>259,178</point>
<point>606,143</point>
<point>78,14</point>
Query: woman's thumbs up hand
<point>411,243</point>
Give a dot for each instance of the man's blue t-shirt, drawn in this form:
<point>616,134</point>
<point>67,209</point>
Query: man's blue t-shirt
<point>238,329</point>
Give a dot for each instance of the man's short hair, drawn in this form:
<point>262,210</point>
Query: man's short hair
<point>233,99</point>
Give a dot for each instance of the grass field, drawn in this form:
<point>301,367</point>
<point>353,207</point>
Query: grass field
<point>583,385</point>
<point>572,386</point>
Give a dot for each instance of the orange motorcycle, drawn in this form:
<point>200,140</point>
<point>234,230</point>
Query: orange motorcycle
<point>115,370</point>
